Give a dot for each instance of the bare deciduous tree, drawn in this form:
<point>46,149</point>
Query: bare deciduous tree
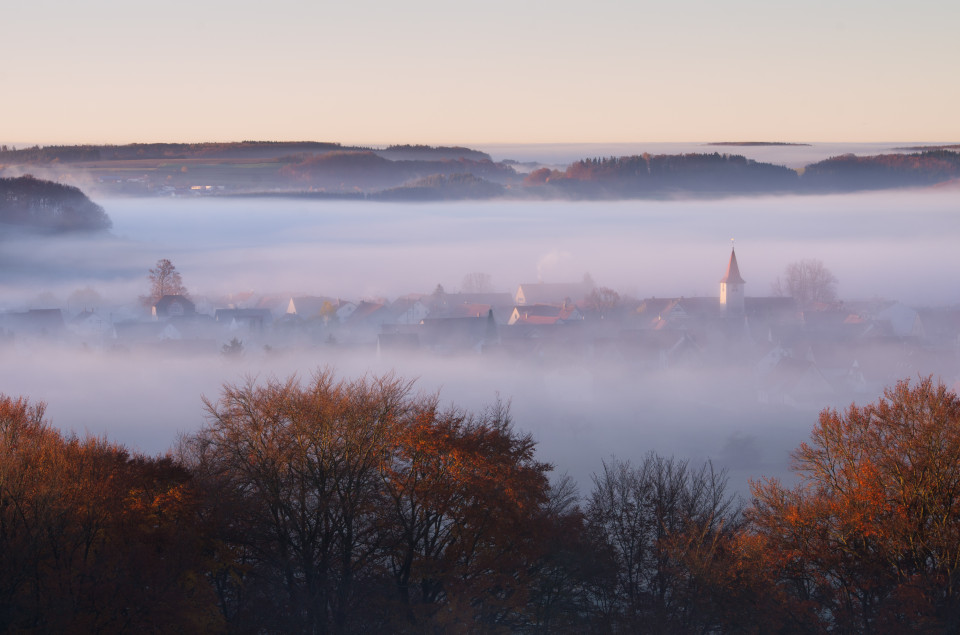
<point>603,301</point>
<point>808,282</point>
<point>164,280</point>
<point>649,524</point>
<point>476,282</point>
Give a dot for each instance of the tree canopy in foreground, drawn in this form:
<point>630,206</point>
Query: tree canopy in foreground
<point>331,505</point>
<point>870,539</point>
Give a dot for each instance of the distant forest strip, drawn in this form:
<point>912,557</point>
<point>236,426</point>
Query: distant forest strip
<point>949,146</point>
<point>425,173</point>
<point>636,175</point>
<point>358,506</point>
<point>750,144</point>
<point>226,150</point>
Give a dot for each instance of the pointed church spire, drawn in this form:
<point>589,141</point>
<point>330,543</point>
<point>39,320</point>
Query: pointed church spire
<point>733,271</point>
<point>731,286</point>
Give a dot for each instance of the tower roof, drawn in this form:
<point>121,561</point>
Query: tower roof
<point>733,271</point>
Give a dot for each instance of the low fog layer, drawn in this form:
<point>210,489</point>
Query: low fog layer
<point>899,246</point>
<point>895,245</point>
<point>579,414</point>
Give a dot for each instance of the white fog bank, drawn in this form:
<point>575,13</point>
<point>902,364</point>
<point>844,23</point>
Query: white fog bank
<point>896,245</point>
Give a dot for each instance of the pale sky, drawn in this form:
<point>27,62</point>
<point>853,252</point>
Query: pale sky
<point>444,72</point>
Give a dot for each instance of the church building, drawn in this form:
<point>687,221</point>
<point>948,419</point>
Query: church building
<point>731,288</point>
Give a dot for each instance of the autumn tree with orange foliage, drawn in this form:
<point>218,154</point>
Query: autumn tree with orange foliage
<point>93,539</point>
<point>869,541</point>
<point>351,506</point>
<point>465,493</point>
<point>296,472</point>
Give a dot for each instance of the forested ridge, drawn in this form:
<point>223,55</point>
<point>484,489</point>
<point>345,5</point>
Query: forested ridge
<point>413,172</point>
<point>339,506</point>
<point>851,172</point>
<point>718,173</point>
<point>44,205</point>
<point>370,171</point>
<point>87,153</point>
<point>637,175</point>
<point>219,150</point>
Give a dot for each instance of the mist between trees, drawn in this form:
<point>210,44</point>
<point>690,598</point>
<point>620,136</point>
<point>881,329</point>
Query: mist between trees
<point>337,505</point>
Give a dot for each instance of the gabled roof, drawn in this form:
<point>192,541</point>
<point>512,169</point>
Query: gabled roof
<point>545,314</point>
<point>551,292</point>
<point>657,309</point>
<point>369,312</point>
<point>733,271</point>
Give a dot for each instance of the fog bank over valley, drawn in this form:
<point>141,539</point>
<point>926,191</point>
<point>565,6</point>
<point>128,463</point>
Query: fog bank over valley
<point>895,245</point>
<point>634,380</point>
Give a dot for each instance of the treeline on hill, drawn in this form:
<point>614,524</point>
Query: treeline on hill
<point>646,174</point>
<point>850,172</point>
<point>134,151</point>
<point>227,150</point>
<point>41,205</point>
<point>255,167</point>
<point>340,506</point>
<point>728,174</point>
<point>369,171</point>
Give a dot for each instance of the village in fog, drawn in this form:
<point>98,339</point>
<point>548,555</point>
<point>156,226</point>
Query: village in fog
<point>807,351</point>
<point>422,317</point>
<point>600,323</point>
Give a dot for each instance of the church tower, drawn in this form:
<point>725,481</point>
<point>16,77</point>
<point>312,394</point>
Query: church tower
<point>731,287</point>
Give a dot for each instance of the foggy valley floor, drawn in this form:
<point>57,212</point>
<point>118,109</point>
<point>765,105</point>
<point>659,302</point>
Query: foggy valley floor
<point>898,246</point>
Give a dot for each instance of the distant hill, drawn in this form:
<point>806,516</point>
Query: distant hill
<point>143,151</point>
<point>750,144</point>
<point>850,172</point>
<point>50,207</point>
<point>641,175</point>
<point>419,152</point>
<point>951,146</point>
<point>232,150</point>
<point>369,170</point>
<point>409,171</point>
<point>725,174</point>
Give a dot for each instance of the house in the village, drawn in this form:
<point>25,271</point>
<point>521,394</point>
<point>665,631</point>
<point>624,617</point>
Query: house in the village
<point>457,335</point>
<point>170,306</point>
<point>408,310</point>
<point>38,323</point>
<point>442,336</point>
<point>545,314</point>
<point>471,305</point>
<point>90,326</point>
